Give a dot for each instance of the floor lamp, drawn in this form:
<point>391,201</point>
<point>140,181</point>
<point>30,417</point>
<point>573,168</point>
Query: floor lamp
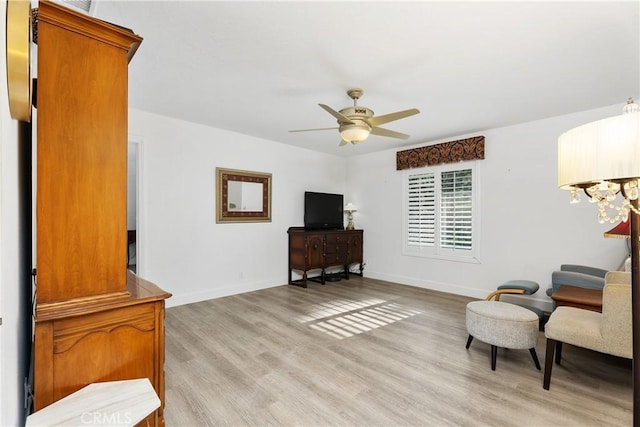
<point>602,159</point>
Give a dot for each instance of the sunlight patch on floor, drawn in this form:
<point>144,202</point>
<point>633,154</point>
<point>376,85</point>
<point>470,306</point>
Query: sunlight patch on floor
<point>342,318</point>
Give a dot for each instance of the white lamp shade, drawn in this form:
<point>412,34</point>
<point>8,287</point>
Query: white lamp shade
<point>350,207</point>
<point>354,133</point>
<point>604,150</point>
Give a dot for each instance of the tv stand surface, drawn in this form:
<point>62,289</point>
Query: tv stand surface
<point>321,249</point>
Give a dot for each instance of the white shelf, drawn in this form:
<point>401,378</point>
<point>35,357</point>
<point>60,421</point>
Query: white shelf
<point>113,403</point>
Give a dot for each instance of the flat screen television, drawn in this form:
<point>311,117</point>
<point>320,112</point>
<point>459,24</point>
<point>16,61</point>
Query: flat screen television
<point>323,211</point>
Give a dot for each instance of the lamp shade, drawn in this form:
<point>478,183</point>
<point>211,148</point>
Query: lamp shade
<point>620,231</point>
<point>355,132</point>
<point>604,150</point>
<point>350,207</point>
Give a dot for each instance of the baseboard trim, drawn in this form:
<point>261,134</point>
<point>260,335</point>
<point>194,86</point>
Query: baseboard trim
<point>219,292</point>
<point>544,304</point>
<point>451,288</point>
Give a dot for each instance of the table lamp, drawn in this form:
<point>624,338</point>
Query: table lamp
<point>350,209</point>
<point>622,231</point>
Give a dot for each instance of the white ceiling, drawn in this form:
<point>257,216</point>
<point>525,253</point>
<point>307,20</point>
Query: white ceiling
<point>261,68</point>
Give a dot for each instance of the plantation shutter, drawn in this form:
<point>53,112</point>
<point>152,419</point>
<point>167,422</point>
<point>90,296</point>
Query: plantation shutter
<point>456,210</point>
<point>421,210</point>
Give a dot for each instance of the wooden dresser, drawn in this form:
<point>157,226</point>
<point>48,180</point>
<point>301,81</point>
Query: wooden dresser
<point>320,249</point>
<point>94,320</point>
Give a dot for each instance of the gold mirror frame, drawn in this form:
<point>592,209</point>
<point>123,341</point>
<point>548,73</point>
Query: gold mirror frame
<point>225,212</point>
<point>17,43</point>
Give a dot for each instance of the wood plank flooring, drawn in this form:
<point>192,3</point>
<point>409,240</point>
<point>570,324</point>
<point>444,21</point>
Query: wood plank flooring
<point>365,352</point>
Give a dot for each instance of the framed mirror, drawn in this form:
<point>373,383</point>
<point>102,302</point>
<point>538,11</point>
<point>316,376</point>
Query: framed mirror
<point>242,196</point>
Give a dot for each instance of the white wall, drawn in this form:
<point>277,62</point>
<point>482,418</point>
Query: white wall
<point>181,248</point>
<point>527,228</point>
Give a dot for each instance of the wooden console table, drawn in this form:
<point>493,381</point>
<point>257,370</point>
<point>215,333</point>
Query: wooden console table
<point>574,296</point>
<point>320,249</point>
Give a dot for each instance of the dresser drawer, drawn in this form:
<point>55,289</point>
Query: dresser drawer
<point>336,239</point>
<point>336,248</point>
<point>335,259</point>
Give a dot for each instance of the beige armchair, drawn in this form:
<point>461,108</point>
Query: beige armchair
<point>607,332</point>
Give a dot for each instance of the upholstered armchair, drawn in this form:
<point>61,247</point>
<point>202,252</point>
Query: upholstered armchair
<point>607,332</point>
<point>577,275</point>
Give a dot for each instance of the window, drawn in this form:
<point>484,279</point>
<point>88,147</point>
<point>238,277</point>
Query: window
<point>441,211</point>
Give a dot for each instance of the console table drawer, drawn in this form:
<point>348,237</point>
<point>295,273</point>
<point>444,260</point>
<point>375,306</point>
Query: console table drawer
<point>334,239</point>
<point>336,248</point>
<point>335,259</point>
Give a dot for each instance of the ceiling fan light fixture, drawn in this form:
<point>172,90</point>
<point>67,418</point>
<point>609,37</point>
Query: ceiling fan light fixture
<point>354,133</point>
<point>356,123</point>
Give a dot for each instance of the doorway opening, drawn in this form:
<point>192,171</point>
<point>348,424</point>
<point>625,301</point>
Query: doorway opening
<point>133,185</point>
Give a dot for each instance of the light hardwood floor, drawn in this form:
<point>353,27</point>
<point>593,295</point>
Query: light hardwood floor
<point>365,352</point>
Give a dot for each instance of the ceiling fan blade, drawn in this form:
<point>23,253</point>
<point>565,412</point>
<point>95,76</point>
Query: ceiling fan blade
<point>380,120</point>
<point>341,117</point>
<point>389,133</point>
<point>343,142</point>
<point>309,130</point>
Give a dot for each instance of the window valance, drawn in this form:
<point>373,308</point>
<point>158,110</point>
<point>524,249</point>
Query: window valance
<point>446,152</point>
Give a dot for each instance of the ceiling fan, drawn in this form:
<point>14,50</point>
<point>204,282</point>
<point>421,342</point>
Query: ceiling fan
<point>356,123</point>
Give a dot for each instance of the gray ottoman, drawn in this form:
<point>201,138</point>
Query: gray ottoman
<point>501,324</point>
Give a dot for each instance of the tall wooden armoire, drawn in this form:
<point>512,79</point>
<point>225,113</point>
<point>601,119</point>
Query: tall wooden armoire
<point>94,320</point>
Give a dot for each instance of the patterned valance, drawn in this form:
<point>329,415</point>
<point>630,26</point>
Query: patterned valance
<point>446,152</point>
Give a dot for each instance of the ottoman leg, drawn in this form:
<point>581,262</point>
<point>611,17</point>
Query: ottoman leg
<point>469,341</point>
<point>494,354</point>
<point>535,357</point>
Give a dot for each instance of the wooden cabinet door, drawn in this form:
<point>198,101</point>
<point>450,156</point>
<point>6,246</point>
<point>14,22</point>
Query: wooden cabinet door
<point>81,209</point>
<point>355,248</point>
<point>105,346</point>
<point>315,251</point>
<point>297,251</point>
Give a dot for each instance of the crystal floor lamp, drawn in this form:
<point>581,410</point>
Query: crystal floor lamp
<point>602,159</point>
